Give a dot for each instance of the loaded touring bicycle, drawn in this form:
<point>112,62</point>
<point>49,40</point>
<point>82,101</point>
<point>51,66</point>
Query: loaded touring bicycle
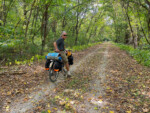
<point>55,65</point>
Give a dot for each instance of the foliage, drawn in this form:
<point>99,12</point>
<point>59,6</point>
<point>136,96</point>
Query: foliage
<point>29,27</point>
<point>142,56</point>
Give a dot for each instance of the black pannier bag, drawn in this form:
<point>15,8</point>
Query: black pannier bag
<point>47,63</point>
<point>57,65</point>
<point>70,60</point>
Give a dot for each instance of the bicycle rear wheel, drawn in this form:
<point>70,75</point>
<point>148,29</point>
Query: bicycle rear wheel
<point>53,75</point>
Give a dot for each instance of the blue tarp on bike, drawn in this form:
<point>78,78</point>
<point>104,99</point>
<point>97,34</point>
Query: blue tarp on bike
<point>52,56</point>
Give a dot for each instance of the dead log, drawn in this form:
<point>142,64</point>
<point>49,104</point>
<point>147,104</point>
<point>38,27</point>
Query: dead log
<point>12,73</point>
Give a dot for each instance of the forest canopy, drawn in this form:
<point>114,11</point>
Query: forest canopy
<point>29,27</point>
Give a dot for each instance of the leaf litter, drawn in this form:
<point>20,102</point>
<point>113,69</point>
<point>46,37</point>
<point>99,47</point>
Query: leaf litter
<point>108,80</point>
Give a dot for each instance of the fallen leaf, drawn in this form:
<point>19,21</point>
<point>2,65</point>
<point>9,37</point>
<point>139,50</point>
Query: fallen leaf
<point>48,111</point>
<point>111,111</point>
<point>9,93</point>
<point>25,99</point>
<point>100,97</point>
<point>145,110</point>
<point>7,108</point>
<point>48,105</point>
<point>62,102</point>
<point>128,111</point>
<point>89,99</point>
<point>55,108</point>
<point>96,108</point>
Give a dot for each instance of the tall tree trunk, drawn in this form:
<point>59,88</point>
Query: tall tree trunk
<point>4,13</point>
<point>6,10</point>
<point>28,20</point>
<point>77,22</point>
<point>54,27</point>
<point>34,25</point>
<point>34,36</point>
<point>44,27</point>
<point>90,35</point>
<point>129,22</point>
<point>33,20</point>
<point>25,19</point>
<point>89,26</point>
<point>1,14</point>
<point>142,28</point>
<point>148,16</point>
<point>95,31</point>
<point>64,21</point>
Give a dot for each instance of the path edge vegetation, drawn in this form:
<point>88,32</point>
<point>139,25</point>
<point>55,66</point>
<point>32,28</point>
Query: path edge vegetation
<point>42,57</point>
<point>140,55</point>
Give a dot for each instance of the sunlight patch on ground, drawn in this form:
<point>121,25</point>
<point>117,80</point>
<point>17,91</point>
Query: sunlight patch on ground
<point>97,102</point>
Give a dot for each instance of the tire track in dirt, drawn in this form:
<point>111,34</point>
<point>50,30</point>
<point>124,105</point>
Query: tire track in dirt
<point>92,102</point>
<point>21,105</point>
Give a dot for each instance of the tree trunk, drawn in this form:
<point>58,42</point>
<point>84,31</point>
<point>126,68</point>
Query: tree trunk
<point>129,22</point>
<point>28,20</point>
<point>89,26</point>
<point>44,26</point>
<point>4,13</point>
<point>25,19</point>
<point>77,22</point>
<point>148,20</point>
<point>34,36</point>
<point>64,21</point>
<point>142,28</point>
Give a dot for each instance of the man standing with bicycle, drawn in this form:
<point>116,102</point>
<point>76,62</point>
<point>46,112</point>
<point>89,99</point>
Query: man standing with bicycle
<point>60,48</point>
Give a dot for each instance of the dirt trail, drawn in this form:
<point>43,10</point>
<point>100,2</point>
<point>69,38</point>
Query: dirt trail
<point>101,82</point>
<point>93,103</point>
<point>20,105</point>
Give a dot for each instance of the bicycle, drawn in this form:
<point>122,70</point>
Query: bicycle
<point>57,66</point>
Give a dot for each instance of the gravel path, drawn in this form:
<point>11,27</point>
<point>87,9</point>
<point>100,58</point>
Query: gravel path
<point>24,103</point>
<point>101,81</point>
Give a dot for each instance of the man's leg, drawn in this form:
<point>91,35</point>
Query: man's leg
<point>67,66</point>
<point>65,60</point>
<point>68,72</point>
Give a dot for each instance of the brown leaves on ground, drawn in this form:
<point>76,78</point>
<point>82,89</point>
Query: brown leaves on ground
<point>16,84</point>
<point>22,80</point>
<point>126,85</point>
<point>129,83</point>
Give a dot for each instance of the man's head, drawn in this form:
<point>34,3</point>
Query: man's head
<point>64,35</point>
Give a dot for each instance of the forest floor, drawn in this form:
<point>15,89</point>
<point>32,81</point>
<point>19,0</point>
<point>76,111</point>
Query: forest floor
<point>104,79</point>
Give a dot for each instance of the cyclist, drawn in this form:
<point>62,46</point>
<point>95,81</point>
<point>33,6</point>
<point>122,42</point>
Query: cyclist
<point>60,47</point>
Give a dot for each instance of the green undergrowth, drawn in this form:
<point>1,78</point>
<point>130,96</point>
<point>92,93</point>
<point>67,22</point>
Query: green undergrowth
<point>141,56</point>
<point>26,61</point>
<point>38,58</point>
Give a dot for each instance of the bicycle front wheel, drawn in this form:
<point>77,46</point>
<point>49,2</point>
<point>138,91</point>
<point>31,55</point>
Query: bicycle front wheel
<point>53,75</point>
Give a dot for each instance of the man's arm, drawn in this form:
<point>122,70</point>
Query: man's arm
<point>55,46</point>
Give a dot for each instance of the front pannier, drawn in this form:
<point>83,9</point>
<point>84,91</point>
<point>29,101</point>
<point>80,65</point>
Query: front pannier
<point>70,60</point>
